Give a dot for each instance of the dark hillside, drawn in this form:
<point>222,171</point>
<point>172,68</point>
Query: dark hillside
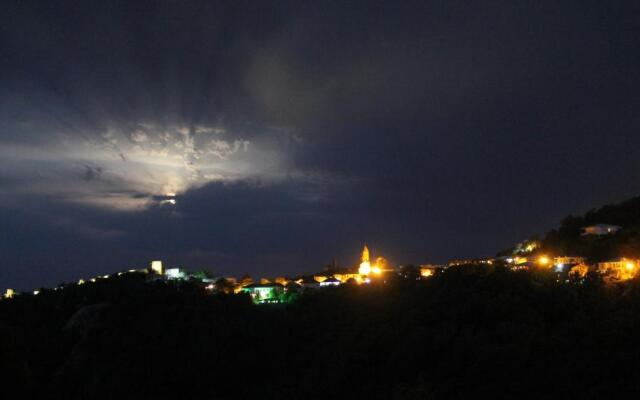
<point>467,332</point>
<point>567,239</point>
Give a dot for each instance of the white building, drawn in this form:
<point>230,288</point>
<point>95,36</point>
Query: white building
<point>600,229</point>
<point>330,282</point>
<point>175,273</point>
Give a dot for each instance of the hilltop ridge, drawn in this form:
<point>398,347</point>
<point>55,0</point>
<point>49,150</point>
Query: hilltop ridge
<point>570,238</point>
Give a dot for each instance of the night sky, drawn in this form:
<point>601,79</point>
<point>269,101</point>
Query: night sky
<point>249,136</point>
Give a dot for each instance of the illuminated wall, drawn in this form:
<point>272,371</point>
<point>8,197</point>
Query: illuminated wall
<point>621,270</point>
<point>175,273</point>
<point>345,277</point>
<point>569,260</point>
<point>579,271</point>
<point>264,294</point>
<point>427,271</point>
<point>156,266</point>
<point>365,264</point>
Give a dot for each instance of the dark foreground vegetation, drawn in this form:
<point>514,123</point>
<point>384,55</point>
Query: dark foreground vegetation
<point>469,332</point>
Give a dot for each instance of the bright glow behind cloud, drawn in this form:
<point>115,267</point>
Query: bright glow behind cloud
<point>133,169</point>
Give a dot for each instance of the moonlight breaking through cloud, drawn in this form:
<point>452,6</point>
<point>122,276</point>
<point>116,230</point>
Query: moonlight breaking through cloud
<point>262,137</point>
<point>131,169</point>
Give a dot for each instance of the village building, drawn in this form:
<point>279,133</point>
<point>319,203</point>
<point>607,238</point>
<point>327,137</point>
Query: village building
<point>175,273</point>
<point>292,287</point>
<point>156,267</point>
<point>265,293</point>
<point>345,277</point>
<point>578,270</point>
<point>281,280</point>
<point>600,229</point>
<point>568,260</point>
<point>619,270</point>
<point>245,280</point>
<point>472,261</point>
<point>231,279</point>
<point>308,282</point>
<point>427,270</point>
<point>331,281</point>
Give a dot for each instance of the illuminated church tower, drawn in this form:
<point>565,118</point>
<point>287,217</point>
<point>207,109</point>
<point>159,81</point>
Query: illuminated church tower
<point>365,264</point>
<point>156,266</point>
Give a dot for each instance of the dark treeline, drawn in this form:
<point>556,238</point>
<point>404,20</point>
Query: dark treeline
<point>468,332</point>
<point>568,238</point>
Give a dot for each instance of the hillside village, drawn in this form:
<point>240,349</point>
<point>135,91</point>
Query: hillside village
<point>528,255</point>
<point>563,305</point>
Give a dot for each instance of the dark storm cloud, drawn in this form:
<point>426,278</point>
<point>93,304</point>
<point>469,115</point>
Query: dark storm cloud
<point>291,132</point>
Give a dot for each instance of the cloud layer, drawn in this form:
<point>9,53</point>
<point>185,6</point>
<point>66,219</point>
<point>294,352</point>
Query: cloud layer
<point>269,138</point>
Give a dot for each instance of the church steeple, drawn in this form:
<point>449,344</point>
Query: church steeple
<point>365,254</point>
<point>365,264</point>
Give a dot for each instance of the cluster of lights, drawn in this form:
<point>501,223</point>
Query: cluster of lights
<point>367,270</point>
<point>543,260</point>
<point>630,265</point>
<point>426,272</point>
<point>364,274</point>
<point>365,266</point>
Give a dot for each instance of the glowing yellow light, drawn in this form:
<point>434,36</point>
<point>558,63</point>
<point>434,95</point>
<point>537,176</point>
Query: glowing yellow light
<point>543,260</point>
<point>365,265</point>
<point>630,265</point>
<point>376,270</point>
<point>9,294</point>
<point>381,262</point>
<point>365,268</point>
<point>365,254</point>
<point>344,278</point>
<point>426,272</point>
<point>81,282</point>
<point>156,266</point>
